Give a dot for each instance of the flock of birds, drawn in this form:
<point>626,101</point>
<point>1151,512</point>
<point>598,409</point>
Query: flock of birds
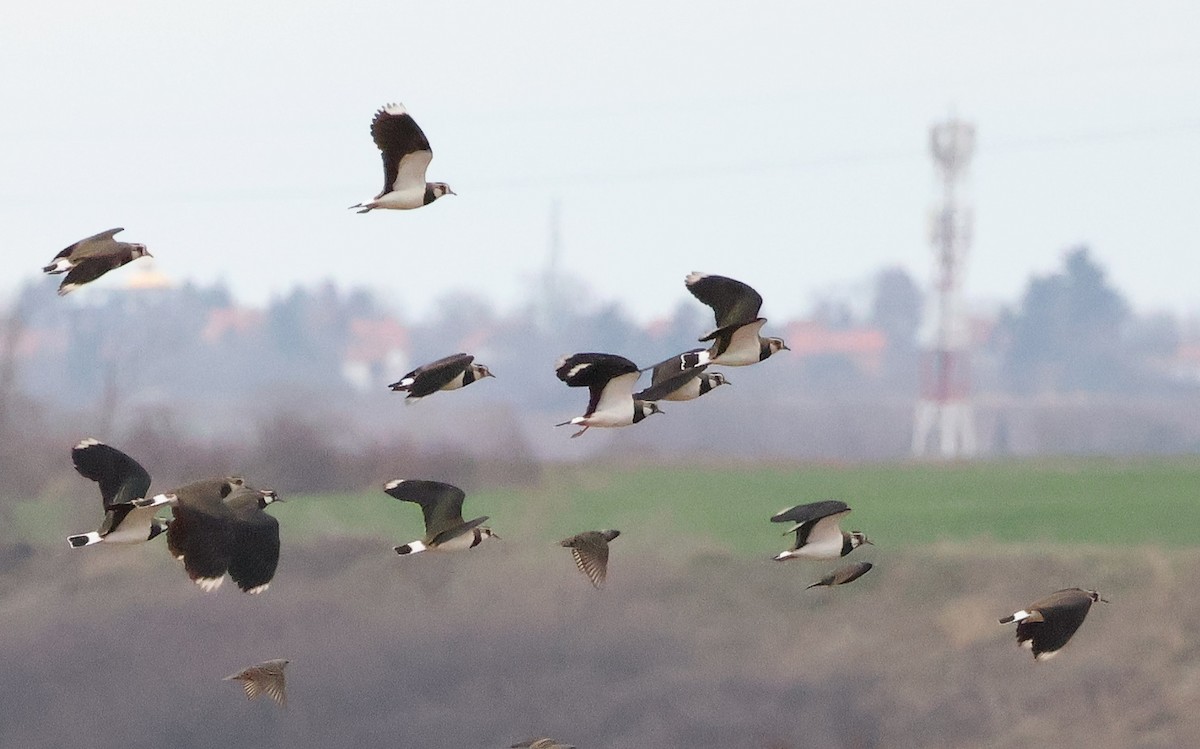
<point>219,526</point>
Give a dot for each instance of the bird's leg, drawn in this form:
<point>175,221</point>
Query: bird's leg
<point>581,431</point>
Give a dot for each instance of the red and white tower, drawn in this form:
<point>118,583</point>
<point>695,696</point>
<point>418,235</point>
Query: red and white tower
<point>944,422</point>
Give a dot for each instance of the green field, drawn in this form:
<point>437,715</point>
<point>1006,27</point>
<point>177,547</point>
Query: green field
<point>1076,501</point>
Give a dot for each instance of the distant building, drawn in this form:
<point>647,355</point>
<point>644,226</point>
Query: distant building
<point>864,347</point>
<point>146,275</point>
<point>231,321</point>
<point>1185,365</point>
<point>377,351</point>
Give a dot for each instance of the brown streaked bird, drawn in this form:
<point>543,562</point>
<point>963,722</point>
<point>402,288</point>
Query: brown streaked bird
<point>590,550</point>
<point>265,678</point>
<point>90,258</point>
<point>542,743</point>
<point>847,573</point>
<point>406,156</point>
<point>448,373</point>
<point>1045,626</point>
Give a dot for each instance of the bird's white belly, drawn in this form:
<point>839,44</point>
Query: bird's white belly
<point>744,348</point>
<point>830,548</point>
<point>458,543</point>
<point>622,418</point>
<point>456,383</point>
<point>686,393</point>
<point>402,199</point>
<point>129,533</point>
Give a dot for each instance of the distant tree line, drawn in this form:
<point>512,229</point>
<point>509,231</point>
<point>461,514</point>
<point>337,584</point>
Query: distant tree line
<point>186,367</point>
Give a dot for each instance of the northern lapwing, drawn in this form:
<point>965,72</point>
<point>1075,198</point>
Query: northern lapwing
<point>1047,625</point>
<point>448,373</point>
<point>90,258</point>
<point>847,573</point>
<point>406,156</point>
<point>220,526</point>
<point>590,550</point>
<point>735,341</point>
<point>609,379</point>
<point>818,535</point>
<point>265,678</point>
<point>122,480</point>
<point>542,743</point>
<point>441,504</point>
<point>670,383</point>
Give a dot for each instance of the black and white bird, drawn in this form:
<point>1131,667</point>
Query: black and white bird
<point>265,678</point>
<point>670,383</point>
<point>1047,625</point>
<point>590,550</point>
<point>441,504</point>
<point>735,341</point>
<point>609,379</point>
<point>406,156</point>
<point>90,258</point>
<point>847,573</point>
<point>448,373</point>
<point>122,480</point>
<point>541,743</point>
<point>818,535</point>
<point>220,527</point>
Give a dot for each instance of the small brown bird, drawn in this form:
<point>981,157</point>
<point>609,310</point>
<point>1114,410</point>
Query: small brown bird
<point>542,743</point>
<point>847,573</point>
<point>590,550</point>
<point>266,677</point>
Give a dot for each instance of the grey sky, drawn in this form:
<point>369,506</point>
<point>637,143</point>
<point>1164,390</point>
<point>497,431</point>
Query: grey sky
<point>782,143</point>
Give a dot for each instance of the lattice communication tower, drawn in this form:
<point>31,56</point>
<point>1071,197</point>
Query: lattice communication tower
<point>944,419</point>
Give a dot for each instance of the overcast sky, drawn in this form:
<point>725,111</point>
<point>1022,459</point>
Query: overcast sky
<point>782,143</point>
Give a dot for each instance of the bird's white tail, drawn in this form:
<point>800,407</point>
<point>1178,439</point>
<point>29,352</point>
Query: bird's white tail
<point>155,501</point>
<point>414,548</point>
<point>84,539</point>
<point>1018,617</point>
<point>692,359</point>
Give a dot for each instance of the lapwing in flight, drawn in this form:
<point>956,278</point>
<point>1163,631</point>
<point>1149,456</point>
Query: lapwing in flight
<point>609,379</point>
<point>265,678</point>
<point>90,258</point>
<point>590,550</point>
<point>441,504</point>
<point>122,480</point>
<point>542,743</point>
<point>818,535</point>
<point>1047,625</point>
<point>735,341</point>
<point>448,373</point>
<point>847,573</point>
<point>406,156</point>
<point>670,383</point>
<point>220,527</point>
